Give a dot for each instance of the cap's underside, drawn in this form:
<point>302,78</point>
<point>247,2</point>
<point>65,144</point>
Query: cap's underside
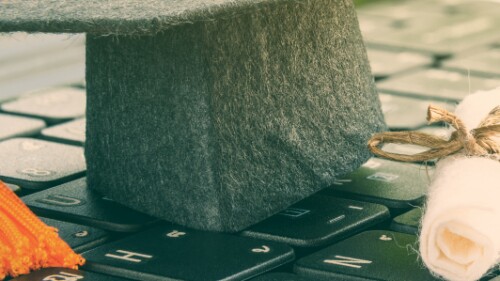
<point>137,17</point>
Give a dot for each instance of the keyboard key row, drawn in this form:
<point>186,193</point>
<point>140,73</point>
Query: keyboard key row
<point>174,253</point>
<point>392,184</point>
<point>318,221</point>
<point>371,255</point>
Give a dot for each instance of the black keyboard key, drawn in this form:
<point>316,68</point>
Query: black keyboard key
<point>72,132</point>
<point>75,202</point>
<point>34,164</point>
<point>16,126</point>
<point>79,237</point>
<point>281,276</point>
<point>390,183</point>
<point>54,105</point>
<point>318,220</point>
<point>65,274</point>
<point>408,222</point>
<point>371,255</point>
<point>482,63</point>
<point>436,84</point>
<point>175,253</point>
<point>386,63</point>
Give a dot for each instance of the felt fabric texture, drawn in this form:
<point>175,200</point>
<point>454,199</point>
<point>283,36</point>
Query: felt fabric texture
<point>460,232</point>
<point>138,17</point>
<point>216,114</point>
<point>217,125</point>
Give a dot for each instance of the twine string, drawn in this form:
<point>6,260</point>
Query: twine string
<point>481,141</point>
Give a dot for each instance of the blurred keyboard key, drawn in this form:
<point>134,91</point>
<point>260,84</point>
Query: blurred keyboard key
<point>69,74</point>
<point>409,149</point>
<point>77,203</point>
<point>475,7</point>
<point>390,183</point>
<point>22,69</point>
<point>440,35</point>
<point>408,8</point>
<point>72,132</point>
<point>406,113</point>
<point>408,222</point>
<point>437,84</point>
<point>442,131</point>
<point>318,220</point>
<point>79,237</point>
<point>65,274</point>
<point>17,126</point>
<point>34,61</point>
<point>34,164</point>
<point>375,25</point>
<point>174,253</point>
<point>386,63</point>
<point>372,255</point>
<point>53,105</point>
<point>480,63</point>
<point>19,46</point>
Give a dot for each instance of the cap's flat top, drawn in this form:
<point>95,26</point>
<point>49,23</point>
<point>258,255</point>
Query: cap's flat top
<point>115,16</point>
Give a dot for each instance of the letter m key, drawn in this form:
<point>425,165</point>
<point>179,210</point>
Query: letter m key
<point>347,261</point>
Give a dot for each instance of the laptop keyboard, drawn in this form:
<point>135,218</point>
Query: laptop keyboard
<point>363,227</point>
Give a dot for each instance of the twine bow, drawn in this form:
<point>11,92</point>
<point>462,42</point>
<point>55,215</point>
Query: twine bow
<point>481,141</point>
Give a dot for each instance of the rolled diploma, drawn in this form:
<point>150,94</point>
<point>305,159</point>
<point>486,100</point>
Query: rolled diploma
<point>460,231</point>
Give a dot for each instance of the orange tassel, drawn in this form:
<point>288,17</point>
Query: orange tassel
<point>26,243</point>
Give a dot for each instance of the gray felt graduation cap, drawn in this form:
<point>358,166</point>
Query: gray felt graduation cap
<point>216,114</point>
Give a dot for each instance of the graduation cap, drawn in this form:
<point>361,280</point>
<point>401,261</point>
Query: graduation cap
<point>216,114</point>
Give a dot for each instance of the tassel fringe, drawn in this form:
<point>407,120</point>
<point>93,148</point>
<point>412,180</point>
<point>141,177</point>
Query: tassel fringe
<point>26,243</point>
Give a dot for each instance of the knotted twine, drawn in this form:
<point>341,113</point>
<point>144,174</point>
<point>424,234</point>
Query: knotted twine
<point>481,141</point>
<point>459,231</point>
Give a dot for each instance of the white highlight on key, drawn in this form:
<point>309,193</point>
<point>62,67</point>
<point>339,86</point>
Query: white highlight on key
<point>347,261</point>
<point>63,276</point>
<point>129,256</point>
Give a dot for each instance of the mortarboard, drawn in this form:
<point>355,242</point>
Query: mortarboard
<point>216,114</point>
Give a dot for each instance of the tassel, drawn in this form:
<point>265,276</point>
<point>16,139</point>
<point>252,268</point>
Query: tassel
<point>26,243</point>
